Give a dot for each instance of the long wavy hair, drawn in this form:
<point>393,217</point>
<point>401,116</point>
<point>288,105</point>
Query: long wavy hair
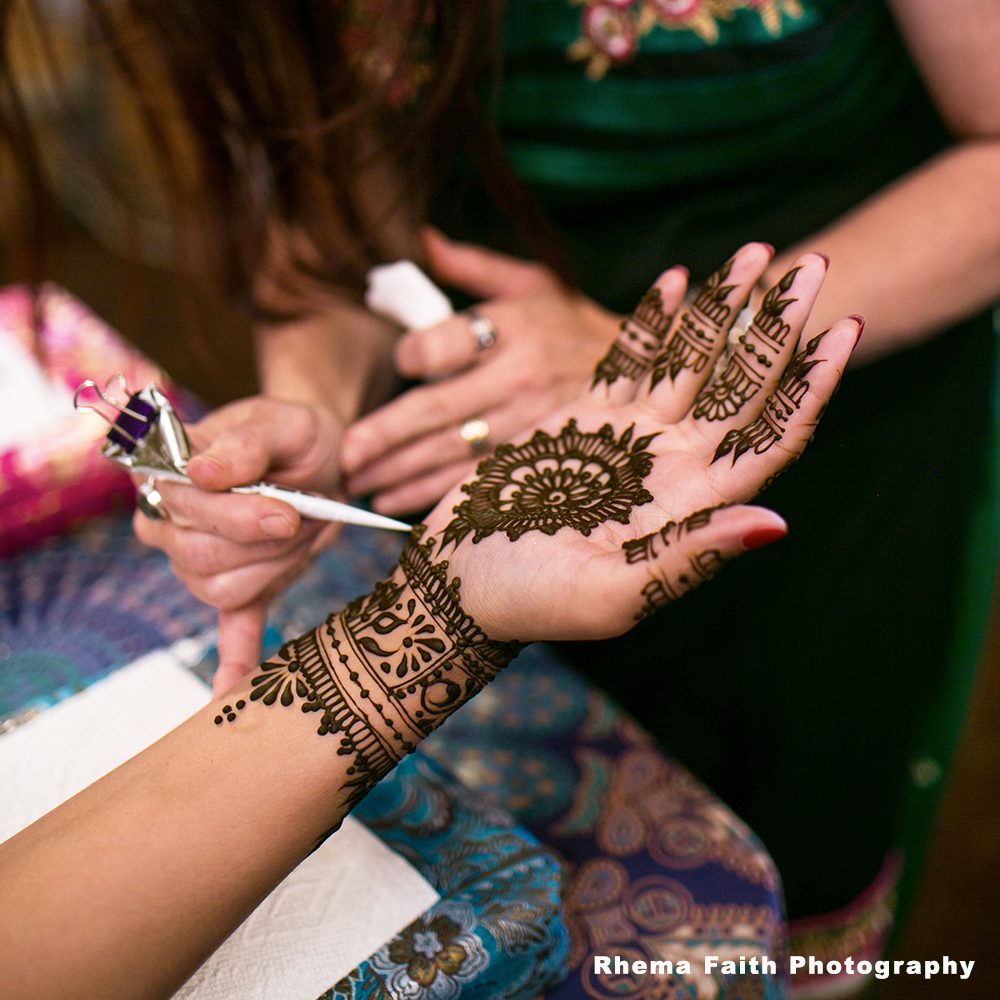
<point>294,139</point>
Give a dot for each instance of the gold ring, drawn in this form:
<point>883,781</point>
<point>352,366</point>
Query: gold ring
<point>476,433</point>
<point>481,327</point>
<point>150,501</point>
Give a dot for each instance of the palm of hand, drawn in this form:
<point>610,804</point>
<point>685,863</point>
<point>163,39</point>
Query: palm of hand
<point>618,503</point>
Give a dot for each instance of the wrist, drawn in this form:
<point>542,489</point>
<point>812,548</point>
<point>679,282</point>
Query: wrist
<point>387,670</point>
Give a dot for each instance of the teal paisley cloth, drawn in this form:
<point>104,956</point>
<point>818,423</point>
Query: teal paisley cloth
<point>619,851</point>
<point>497,932</point>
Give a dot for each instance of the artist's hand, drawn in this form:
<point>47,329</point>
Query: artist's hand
<point>621,501</point>
<point>410,451</point>
<point>236,552</point>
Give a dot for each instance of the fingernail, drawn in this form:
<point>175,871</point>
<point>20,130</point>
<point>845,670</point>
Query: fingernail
<point>681,267</point>
<point>277,526</point>
<point>860,320</point>
<point>763,536</point>
<point>769,247</point>
<point>824,256</point>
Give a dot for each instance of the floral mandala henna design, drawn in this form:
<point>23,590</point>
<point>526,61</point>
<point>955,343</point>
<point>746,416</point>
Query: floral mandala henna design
<point>640,339</point>
<point>769,427</point>
<point>387,670</point>
<point>577,479</point>
<point>700,326</point>
<point>746,367</point>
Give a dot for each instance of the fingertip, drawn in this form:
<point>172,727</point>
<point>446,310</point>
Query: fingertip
<point>760,537</point>
<point>860,320</point>
<point>210,471</point>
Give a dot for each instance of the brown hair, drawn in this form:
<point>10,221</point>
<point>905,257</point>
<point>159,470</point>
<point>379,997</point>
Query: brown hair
<point>292,136</point>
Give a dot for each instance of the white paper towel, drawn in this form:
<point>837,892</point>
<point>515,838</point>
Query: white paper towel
<point>341,904</point>
<point>403,293</point>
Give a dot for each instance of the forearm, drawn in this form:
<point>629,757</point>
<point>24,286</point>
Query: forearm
<point>917,257</point>
<point>338,358</point>
<point>129,886</point>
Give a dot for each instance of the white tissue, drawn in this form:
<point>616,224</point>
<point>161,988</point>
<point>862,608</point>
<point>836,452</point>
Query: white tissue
<point>338,907</point>
<point>30,403</point>
<point>403,293</point>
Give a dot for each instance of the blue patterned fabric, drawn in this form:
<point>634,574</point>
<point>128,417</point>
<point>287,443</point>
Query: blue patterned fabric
<point>651,865</point>
<point>497,932</point>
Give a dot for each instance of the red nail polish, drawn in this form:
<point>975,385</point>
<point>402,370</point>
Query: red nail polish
<point>764,536</point>
<point>824,256</point>
<point>860,320</point>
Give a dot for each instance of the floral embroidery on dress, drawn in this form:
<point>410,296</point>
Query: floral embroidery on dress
<point>610,30</point>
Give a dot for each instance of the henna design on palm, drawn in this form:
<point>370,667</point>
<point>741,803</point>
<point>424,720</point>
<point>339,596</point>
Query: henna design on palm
<point>694,340</point>
<point>387,670</point>
<point>577,479</point>
<point>640,339</point>
<point>769,427</point>
<point>747,364</point>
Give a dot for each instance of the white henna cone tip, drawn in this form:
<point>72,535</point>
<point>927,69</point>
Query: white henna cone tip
<point>403,293</point>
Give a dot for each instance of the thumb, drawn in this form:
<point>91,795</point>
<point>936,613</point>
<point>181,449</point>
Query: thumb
<point>482,273</point>
<point>272,435</point>
<point>680,556</point>
<point>241,636</point>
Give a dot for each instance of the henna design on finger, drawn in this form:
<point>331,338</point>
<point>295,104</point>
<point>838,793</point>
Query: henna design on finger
<point>662,589</point>
<point>644,549</point>
<point>640,339</point>
<point>747,364</point>
<point>577,479</point>
<point>769,427</point>
<point>695,338</point>
<point>387,670</point>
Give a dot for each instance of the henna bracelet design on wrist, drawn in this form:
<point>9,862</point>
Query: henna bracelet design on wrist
<point>388,669</point>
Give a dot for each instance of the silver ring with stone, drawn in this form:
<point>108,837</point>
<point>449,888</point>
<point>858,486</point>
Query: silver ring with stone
<point>476,433</point>
<point>149,500</point>
<point>481,327</point>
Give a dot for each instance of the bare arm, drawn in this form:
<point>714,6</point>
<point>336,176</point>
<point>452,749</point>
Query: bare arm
<point>126,888</point>
<point>925,252</point>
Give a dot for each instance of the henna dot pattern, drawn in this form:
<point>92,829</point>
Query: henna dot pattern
<point>746,366</point>
<point>640,338</point>
<point>699,330</point>
<point>769,428</point>
<point>577,479</point>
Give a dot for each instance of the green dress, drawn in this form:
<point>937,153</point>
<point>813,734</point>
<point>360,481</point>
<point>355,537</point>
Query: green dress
<point>672,131</point>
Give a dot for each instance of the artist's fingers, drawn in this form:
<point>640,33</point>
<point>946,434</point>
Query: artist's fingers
<point>754,366</point>
<point>444,349</point>
<point>422,410</point>
<point>750,456</point>
<point>242,444</point>
<point>483,273</point>
<point>422,492</point>
<point>697,336</point>
<point>618,373</point>
<point>665,565</point>
<point>237,518</point>
<point>241,636</point>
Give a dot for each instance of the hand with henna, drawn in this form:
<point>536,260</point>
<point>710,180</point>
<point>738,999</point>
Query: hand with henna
<point>410,451</point>
<point>621,501</point>
<point>616,505</point>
